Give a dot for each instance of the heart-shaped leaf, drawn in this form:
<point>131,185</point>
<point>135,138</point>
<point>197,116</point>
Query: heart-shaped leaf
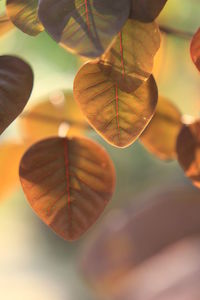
<point>10,155</point>
<point>130,60</point>
<point>16,82</point>
<point>195,49</point>
<point>82,26</point>
<point>23,14</point>
<point>118,116</point>
<point>5,25</point>
<point>58,112</point>
<point>188,151</point>
<point>146,10</point>
<point>161,134</point>
<point>68,183</point>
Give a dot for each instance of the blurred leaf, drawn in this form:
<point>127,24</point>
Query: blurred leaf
<point>118,116</point>
<point>144,230</point>
<point>68,183</point>
<point>195,49</point>
<point>160,135</point>
<point>16,82</point>
<point>84,27</point>
<point>5,25</point>
<point>188,151</point>
<point>10,155</point>
<point>130,60</point>
<point>146,10</point>
<point>58,113</point>
<point>23,14</point>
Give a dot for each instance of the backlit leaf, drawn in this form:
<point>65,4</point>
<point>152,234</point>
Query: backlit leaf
<point>57,113</point>
<point>23,14</point>
<point>68,183</point>
<point>5,25</point>
<point>10,155</point>
<point>195,49</point>
<point>82,26</point>
<point>118,116</point>
<point>160,135</point>
<point>146,10</point>
<point>16,82</point>
<point>188,151</point>
<point>130,60</point>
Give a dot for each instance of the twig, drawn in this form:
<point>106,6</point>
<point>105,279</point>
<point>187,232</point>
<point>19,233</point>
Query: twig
<point>176,32</point>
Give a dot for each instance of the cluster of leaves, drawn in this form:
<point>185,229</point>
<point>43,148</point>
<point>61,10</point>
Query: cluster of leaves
<point>69,180</point>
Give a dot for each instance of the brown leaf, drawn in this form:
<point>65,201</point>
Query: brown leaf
<point>84,27</point>
<point>23,14</point>
<point>130,60</point>
<point>16,82</point>
<point>57,111</point>
<point>146,10</point>
<point>188,151</point>
<point>68,183</point>
<point>160,135</point>
<point>195,49</point>
<point>10,155</point>
<point>118,116</point>
<point>5,25</point>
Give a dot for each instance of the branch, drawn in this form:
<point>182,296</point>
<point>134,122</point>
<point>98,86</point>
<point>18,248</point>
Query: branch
<point>176,32</point>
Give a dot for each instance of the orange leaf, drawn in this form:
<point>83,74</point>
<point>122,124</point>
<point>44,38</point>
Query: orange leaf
<point>160,135</point>
<point>130,60</point>
<point>5,25</point>
<point>195,49</point>
<point>118,116</point>
<point>10,155</point>
<point>23,14</point>
<point>57,111</point>
<point>188,151</point>
<point>68,183</point>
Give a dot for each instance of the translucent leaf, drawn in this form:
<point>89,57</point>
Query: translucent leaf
<point>130,60</point>
<point>188,151</point>
<point>160,135</point>
<point>118,116</point>
<point>84,27</point>
<point>195,49</point>
<point>58,113</point>
<point>23,14</point>
<point>68,183</point>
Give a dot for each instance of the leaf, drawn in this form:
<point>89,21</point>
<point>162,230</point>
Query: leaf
<point>16,82</point>
<point>5,25</point>
<point>146,10</point>
<point>10,155</point>
<point>195,49</point>
<point>68,183</point>
<point>58,112</point>
<point>84,27</point>
<point>23,14</point>
<point>160,135</point>
<point>188,151</point>
<point>119,117</point>
<point>130,60</point>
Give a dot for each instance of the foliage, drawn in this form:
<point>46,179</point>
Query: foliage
<point>69,180</point>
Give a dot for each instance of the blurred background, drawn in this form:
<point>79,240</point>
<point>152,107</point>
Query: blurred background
<point>146,256</point>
